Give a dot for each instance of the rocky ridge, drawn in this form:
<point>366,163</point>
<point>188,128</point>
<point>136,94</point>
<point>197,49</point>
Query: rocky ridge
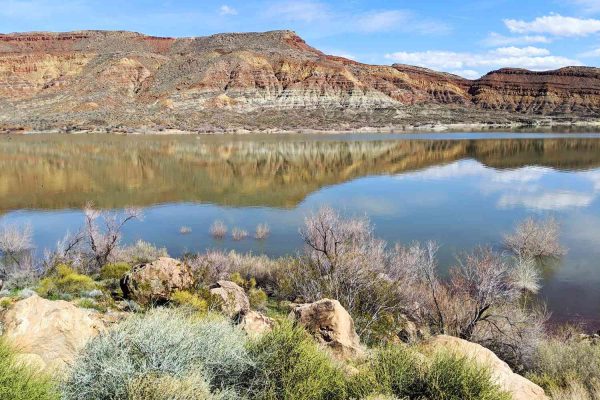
<point>270,80</point>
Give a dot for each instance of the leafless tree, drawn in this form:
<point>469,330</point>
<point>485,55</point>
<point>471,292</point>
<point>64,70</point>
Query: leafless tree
<point>14,242</point>
<point>535,238</point>
<point>16,248</point>
<point>102,231</point>
<point>483,281</point>
<point>481,300</point>
<point>96,243</point>
<point>345,261</point>
<point>415,267</point>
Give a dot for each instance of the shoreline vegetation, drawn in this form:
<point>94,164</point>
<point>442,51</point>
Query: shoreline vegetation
<point>219,325</point>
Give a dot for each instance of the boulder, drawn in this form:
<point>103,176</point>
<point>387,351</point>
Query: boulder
<point>49,333</point>
<point>331,325</point>
<point>519,387</point>
<point>255,323</point>
<point>409,332</point>
<point>153,283</point>
<point>235,303</point>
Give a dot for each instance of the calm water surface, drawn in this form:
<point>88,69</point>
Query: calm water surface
<point>458,189</point>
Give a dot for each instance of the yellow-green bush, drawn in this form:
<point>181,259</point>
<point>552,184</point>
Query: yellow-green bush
<point>558,365</point>
<point>450,377</point>
<point>17,382</point>
<point>189,300</point>
<point>91,304</point>
<point>114,271</point>
<point>400,372</point>
<point>64,281</point>
<point>290,366</point>
<point>393,370</point>
<point>163,386</point>
<point>111,274</point>
<point>258,299</point>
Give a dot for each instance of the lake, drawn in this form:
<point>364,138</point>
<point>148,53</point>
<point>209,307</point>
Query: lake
<point>460,189</point>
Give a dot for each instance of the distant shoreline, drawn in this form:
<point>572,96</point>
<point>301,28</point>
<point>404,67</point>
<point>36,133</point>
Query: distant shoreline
<point>539,127</point>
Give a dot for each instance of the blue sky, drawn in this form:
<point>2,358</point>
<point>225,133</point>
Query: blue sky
<point>466,37</point>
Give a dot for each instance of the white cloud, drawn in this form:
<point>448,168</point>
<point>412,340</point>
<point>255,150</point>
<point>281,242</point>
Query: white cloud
<point>526,57</point>
<point>339,53</point>
<point>590,54</point>
<point>495,39</point>
<point>521,51</point>
<point>521,187</point>
<point>588,6</point>
<point>381,21</point>
<point>556,25</point>
<point>227,10</point>
<point>467,73</point>
<point>303,11</point>
<point>546,200</point>
<point>331,20</point>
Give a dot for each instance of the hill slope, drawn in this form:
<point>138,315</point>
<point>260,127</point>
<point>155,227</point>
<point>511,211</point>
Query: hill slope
<point>269,80</point>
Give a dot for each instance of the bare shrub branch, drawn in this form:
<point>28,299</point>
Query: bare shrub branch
<point>345,261</point>
<point>17,263</point>
<point>103,239</point>
<point>534,239</point>
<point>238,234</point>
<point>218,229</point>
<point>262,231</point>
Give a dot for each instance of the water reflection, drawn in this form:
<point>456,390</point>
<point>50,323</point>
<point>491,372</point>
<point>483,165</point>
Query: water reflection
<point>462,193</point>
<point>54,172</point>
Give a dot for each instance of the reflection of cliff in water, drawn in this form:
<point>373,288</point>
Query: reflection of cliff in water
<point>49,172</point>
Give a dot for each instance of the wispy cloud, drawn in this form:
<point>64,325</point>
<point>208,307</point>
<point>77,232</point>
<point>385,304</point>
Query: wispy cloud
<point>587,6</point>
<point>300,11</point>
<point>227,10</point>
<point>495,39</point>
<point>555,24</point>
<point>322,18</point>
<point>590,54</point>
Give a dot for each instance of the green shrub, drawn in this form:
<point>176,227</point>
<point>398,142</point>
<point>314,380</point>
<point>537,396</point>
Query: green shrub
<point>167,387</point>
<point>21,383</point>
<point>396,369</point>
<point>6,302</point>
<point>164,342</point>
<point>557,365</point>
<point>114,271</point>
<point>455,378</point>
<point>258,299</point>
<point>64,281</point>
<point>111,275</point>
<point>141,252</point>
<point>290,366</point>
<point>190,301</point>
<point>91,304</point>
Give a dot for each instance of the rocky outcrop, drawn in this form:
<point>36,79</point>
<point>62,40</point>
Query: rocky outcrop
<point>153,283</point>
<point>49,334</point>
<point>256,324</point>
<point>331,325</point>
<point>234,301</point>
<point>567,90</point>
<point>519,387</point>
<point>107,79</point>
